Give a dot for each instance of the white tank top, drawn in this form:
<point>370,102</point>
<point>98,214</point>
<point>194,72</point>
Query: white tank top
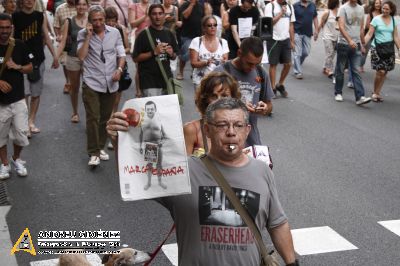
<point>331,31</point>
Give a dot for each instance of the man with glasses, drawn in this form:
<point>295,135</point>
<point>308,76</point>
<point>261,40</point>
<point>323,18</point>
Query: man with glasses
<point>101,49</point>
<point>253,82</point>
<point>211,232</point>
<point>166,47</point>
<point>13,110</point>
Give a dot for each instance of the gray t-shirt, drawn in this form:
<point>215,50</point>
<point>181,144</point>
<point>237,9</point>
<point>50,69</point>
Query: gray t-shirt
<point>209,230</point>
<point>250,88</point>
<point>353,17</point>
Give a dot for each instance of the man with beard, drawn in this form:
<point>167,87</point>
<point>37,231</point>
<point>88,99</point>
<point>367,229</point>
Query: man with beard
<point>150,77</point>
<point>13,110</point>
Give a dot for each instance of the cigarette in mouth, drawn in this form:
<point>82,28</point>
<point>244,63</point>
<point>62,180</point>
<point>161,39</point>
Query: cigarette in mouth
<point>232,147</point>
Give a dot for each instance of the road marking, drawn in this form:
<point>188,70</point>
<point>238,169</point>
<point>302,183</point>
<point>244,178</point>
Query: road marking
<point>93,259</point>
<point>315,240</point>
<point>392,225</point>
<point>5,241</point>
<point>171,251</point>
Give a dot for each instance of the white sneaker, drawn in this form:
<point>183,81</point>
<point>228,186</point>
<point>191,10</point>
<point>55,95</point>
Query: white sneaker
<point>110,146</point>
<point>94,160</point>
<point>104,156</point>
<point>334,80</point>
<point>339,98</point>
<point>350,85</point>
<point>363,100</point>
<point>4,171</point>
<point>299,76</point>
<point>19,167</point>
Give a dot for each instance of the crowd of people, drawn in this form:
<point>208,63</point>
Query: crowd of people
<point>232,88</point>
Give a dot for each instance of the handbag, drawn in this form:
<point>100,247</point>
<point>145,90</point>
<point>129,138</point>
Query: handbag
<point>174,86</point>
<point>385,50</point>
<point>34,76</point>
<point>10,49</point>
<point>267,258</point>
<point>126,80</point>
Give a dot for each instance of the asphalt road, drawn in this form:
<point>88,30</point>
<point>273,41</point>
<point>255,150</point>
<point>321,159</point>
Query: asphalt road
<point>336,165</point>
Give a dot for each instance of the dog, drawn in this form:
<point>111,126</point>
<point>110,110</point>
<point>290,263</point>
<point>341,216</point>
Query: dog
<point>73,260</point>
<point>126,257</point>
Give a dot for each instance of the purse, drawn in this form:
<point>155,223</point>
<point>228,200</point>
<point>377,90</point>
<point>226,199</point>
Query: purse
<point>174,86</point>
<point>267,258</point>
<point>126,80</point>
<point>34,76</point>
<point>385,50</point>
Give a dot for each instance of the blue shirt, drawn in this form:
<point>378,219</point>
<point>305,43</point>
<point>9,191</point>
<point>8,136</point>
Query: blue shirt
<point>304,18</point>
<point>383,32</point>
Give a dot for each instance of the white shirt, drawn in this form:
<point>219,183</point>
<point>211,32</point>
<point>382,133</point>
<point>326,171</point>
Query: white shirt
<point>204,55</point>
<point>281,28</point>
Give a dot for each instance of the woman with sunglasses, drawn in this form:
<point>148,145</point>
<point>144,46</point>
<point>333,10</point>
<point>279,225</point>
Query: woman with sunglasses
<point>207,51</point>
<point>70,31</point>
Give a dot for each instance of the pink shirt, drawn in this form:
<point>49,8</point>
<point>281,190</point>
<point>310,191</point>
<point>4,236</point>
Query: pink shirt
<point>121,13</point>
<point>136,8</point>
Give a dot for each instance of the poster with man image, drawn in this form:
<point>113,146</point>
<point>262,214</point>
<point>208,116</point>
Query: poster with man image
<point>152,158</point>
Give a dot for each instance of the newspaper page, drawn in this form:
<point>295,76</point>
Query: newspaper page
<point>152,159</point>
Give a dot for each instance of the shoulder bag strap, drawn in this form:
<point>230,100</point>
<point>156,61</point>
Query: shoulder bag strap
<point>160,65</point>
<point>219,178</point>
<point>10,48</point>
<point>122,11</point>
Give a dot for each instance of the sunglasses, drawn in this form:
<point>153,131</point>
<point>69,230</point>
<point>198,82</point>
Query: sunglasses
<point>212,25</point>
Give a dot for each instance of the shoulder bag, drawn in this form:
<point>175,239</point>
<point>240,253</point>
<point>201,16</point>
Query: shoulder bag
<point>174,86</point>
<point>10,49</point>
<point>267,259</point>
<point>385,50</point>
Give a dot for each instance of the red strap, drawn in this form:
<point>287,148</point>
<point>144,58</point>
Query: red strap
<point>155,252</point>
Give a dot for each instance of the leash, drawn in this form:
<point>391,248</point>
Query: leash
<point>155,252</point>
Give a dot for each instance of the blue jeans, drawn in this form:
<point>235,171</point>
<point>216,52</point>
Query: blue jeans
<point>301,51</point>
<point>344,53</point>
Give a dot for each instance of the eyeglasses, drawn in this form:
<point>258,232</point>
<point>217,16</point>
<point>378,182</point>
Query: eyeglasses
<point>212,25</point>
<point>223,127</point>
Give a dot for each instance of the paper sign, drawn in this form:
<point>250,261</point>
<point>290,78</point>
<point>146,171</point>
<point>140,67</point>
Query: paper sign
<point>245,25</point>
<point>152,159</point>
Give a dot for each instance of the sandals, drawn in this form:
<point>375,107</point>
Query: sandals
<point>75,118</point>
<point>376,98</point>
<point>67,88</point>
<point>33,129</point>
<point>179,76</point>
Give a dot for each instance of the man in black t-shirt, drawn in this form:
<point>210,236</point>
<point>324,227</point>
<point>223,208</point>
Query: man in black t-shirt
<point>13,110</point>
<point>191,12</point>
<point>166,47</point>
<point>30,26</point>
<point>242,20</point>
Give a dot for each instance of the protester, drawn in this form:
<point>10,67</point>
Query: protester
<point>207,51</point>
<point>213,86</point>
<point>349,49</point>
<point>282,43</point>
<point>73,65</point>
<point>9,6</point>
<point>191,13</point>
<point>112,21</point>
<point>122,9</point>
<point>374,10</point>
<point>151,80</point>
<point>30,26</point>
<point>253,83</point>
<point>383,28</point>
<point>227,127</point>
<point>226,7</point>
<point>240,18</point>
<point>64,11</point>
<point>13,110</point>
<point>306,15</point>
<point>330,35</point>
<point>99,47</point>
<point>171,16</point>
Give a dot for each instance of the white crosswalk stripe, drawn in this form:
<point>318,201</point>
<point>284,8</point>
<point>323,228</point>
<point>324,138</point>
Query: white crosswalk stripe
<point>392,225</point>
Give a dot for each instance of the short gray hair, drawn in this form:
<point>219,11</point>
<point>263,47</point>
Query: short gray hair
<point>95,9</point>
<point>226,104</point>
